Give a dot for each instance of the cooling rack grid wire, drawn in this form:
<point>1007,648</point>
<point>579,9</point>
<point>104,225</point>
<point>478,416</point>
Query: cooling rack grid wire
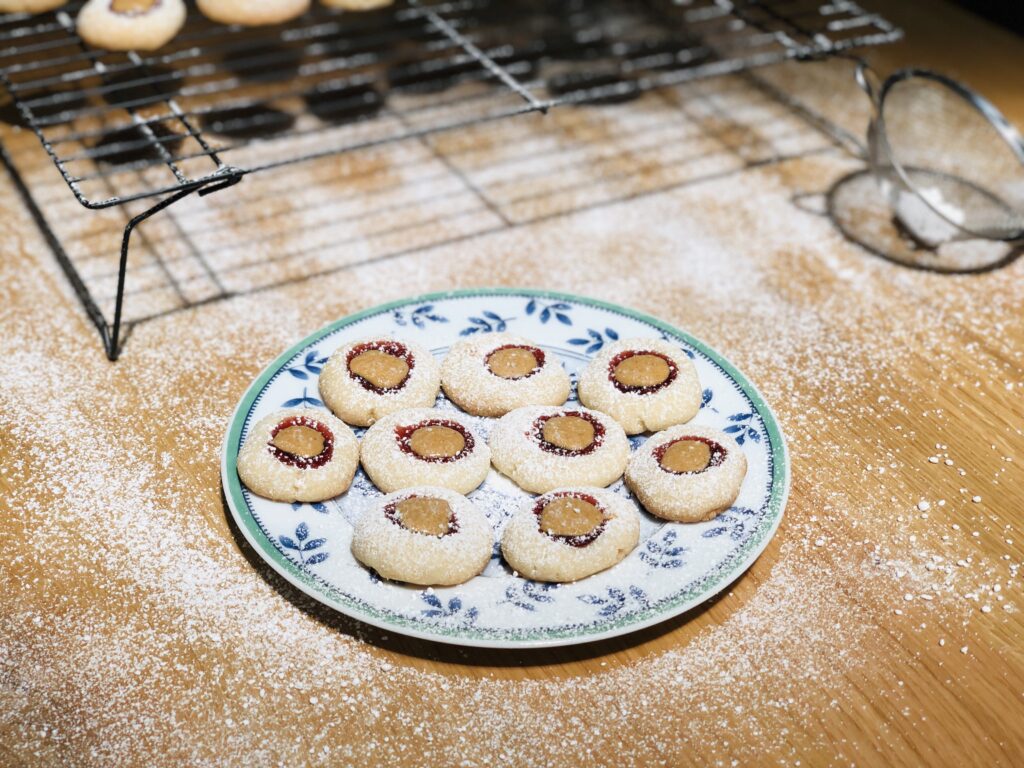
<point>133,135</point>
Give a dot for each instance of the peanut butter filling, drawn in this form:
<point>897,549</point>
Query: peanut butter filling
<point>380,369</point>
<point>132,6</point>
<point>512,362</point>
<point>425,515</point>
<point>572,433</point>
<point>686,456</point>
<point>642,370</point>
<point>299,441</point>
<point>437,442</point>
<point>569,516</point>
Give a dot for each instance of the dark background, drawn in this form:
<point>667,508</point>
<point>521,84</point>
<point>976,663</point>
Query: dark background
<point>1007,13</point>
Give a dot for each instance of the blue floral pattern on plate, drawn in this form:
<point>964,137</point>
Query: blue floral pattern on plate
<point>675,566</point>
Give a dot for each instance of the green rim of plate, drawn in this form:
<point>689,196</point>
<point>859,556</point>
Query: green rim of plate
<point>699,591</point>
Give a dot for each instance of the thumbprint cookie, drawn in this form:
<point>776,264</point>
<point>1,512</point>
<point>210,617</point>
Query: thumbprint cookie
<point>252,14</point>
<point>29,6</point>
<point>130,25</point>
<point>570,533</point>
<point>687,473</point>
<point>424,535</point>
<point>644,384</point>
<point>494,373</point>
<point>541,448</point>
<point>365,380</point>
<point>299,454</point>
<point>425,446</point>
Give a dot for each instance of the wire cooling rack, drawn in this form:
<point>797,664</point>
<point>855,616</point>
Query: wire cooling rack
<point>143,132</point>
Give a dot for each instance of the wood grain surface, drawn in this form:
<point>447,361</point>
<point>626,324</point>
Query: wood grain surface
<point>882,626</point>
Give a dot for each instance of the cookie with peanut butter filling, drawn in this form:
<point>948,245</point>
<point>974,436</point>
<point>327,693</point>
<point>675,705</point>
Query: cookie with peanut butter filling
<point>250,13</point>
<point>644,384</point>
<point>29,6</point>
<point>424,535</point>
<point>543,447</point>
<point>688,473</point>
<point>367,379</point>
<point>570,533</point>
<point>127,25</point>
<point>494,373</point>
<point>425,446</point>
<point>298,454</point>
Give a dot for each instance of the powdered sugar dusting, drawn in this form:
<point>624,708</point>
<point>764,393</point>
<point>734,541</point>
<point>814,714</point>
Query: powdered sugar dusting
<point>136,630</point>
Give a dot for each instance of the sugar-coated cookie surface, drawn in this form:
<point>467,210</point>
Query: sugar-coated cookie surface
<point>644,384</point>
<point>494,373</point>
<point>29,6</point>
<point>424,535</point>
<point>299,454</point>
<point>571,533</point>
<point>252,13</point>
<point>687,473</point>
<point>126,25</point>
<point>543,447</point>
<point>370,378</point>
<point>425,446</point>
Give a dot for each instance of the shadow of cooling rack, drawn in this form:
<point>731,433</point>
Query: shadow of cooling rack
<point>401,109</point>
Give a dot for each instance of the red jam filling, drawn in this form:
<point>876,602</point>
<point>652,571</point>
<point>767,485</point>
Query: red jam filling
<point>573,541</point>
<point>404,433</point>
<point>303,462</point>
<point>537,433</point>
<point>393,348</point>
<point>673,371</point>
<point>718,453</point>
<point>538,355</point>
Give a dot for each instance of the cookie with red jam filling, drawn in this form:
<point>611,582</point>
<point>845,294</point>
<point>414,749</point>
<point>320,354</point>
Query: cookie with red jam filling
<point>571,533</point>
<point>687,473</point>
<point>298,454</point>
<point>365,380</point>
<point>644,384</point>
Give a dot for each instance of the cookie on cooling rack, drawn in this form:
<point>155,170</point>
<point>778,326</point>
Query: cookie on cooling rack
<point>542,448</point>
<point>571,533</point>
<point>29,6</point>
<point>424,535</point>
<point>299,454</point>
<point>370,378</point>
<point>425,446</point>
<point>252,14</point>
<point>130,25</point>
<point>644,384</point>
<point>494,373</point>
<point>687,473</point>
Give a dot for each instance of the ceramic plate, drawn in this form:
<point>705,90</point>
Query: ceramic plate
<point>674,568</point>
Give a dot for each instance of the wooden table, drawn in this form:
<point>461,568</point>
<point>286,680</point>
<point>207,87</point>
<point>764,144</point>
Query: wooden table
<point>881,627</point>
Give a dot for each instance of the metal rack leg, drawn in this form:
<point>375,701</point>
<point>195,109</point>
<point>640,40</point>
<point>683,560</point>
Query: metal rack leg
<point>112,340</point>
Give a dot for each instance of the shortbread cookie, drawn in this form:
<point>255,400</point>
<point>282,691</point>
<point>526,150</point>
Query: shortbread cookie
<point>357,5</point>
<point>542,448</point>
<point>644,384</point>
<point>424,535</point>
<point>130,25</point>
<point>299,454</point>
<point>570,533</point>
<point>494,373</point>
<point>29,6</point>
<point>687,473</point>
<point>251,13</point>
<point>364,380</point>
<point>424,446</point>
